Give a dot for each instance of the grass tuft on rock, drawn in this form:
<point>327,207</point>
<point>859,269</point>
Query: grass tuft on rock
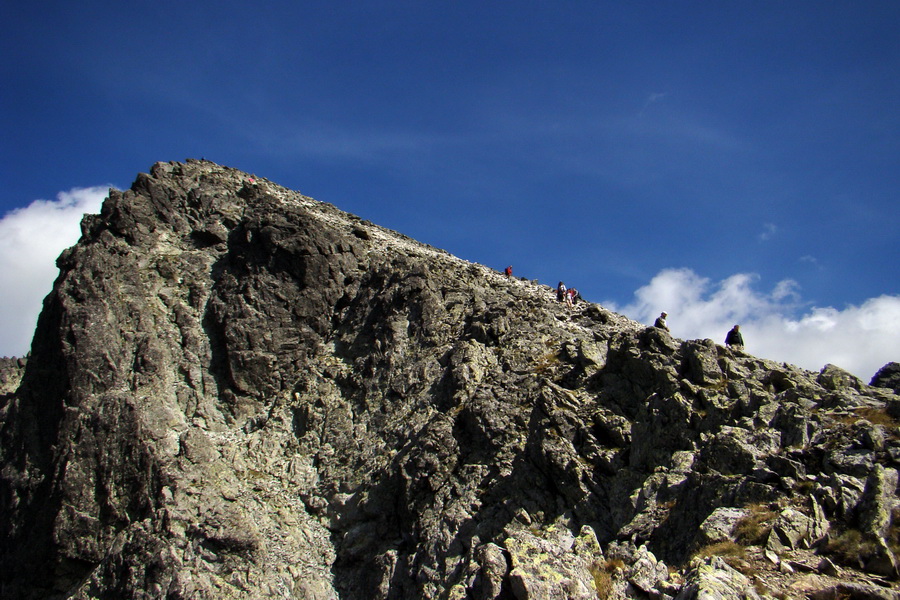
<point>755,527</point>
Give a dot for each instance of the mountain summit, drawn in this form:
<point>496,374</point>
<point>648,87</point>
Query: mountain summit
<point>236,391</point>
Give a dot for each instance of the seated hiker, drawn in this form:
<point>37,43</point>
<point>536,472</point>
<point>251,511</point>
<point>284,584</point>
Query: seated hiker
<point>661,321</point>
<point>734,338</point>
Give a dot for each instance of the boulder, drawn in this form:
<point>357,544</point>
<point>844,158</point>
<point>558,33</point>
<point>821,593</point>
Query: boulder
<point>719,526</point>
<point>793,529</point>
<point>550,565</point>
<point>835,378</point>
<point>888,376</point>
<point>714,579</point>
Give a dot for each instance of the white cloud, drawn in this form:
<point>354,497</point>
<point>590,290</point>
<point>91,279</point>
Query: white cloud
<point>31,238</point>
<point>860,339</point>
<point>812,261</point>
<point>769,230</point>
<point>652,99</point>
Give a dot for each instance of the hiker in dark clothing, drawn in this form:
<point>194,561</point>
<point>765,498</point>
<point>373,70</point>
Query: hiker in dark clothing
<point>661,321</point>
<point>734,338</point>
<point>561,292</point>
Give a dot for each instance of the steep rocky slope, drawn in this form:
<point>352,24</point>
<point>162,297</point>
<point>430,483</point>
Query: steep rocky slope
<point>236,391</point>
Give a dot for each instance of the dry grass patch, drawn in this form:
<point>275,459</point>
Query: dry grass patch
<point>727,549</point>
<point>755,527</point>
<point>603,576</point>
<point>602,582</point>
<point>546,363</point>
<point>734,554</point>
<point>876,416</point>
<point>805,487</point>
<point>852,547</point>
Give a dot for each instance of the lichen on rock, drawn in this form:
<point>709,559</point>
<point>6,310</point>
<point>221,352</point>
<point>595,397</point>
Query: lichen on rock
<point>237,391</point>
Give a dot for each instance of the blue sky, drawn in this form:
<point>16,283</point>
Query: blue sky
<point>647,153</point>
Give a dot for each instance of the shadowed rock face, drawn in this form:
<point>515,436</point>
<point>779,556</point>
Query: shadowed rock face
<point>236,391</point>
<point>888,376</point>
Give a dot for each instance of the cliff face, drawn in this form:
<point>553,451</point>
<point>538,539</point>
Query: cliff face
<point>236,391</point>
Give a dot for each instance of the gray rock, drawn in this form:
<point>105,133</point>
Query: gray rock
<point>793,529</point>
<point>646,573</point>
<point>702,362</point>
<point>719,526</point>
<point>494,569</point>
<point>544,566</point>
<point>835,378</point>
<point>737,450</point>
<point>878,501</point>
<point>238,391</point>
<point>713,579</point>
<point>855,591</point>
<point>888,376</point>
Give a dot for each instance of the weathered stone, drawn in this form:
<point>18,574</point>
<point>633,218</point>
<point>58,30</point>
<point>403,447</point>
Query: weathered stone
<point>494,569</point>
<point>828,567</point>
<point>720,524</point>
<point>793,529</point>
<point>715,580</point>
<point>543,566</point>
<point>737,450</point>
<point>702,362</point>
<point>884,560</point>
<point>878,501</point>
<point>238,391</point>
<point>855,591</point>
<point>888,376</point>
<point>835,378</point>
<point>646,572</point>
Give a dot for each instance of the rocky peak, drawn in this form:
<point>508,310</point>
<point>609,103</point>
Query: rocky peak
<point>235,390</point>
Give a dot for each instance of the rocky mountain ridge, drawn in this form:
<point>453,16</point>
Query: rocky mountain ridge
<point>237,391</point>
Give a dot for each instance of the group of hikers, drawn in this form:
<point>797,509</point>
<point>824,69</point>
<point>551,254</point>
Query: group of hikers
<point>570,296</point>
<point>563,294</point>
<point>733,339</point>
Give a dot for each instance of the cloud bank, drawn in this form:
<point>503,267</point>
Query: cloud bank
<point>776,325</point>
<point>30,240</point>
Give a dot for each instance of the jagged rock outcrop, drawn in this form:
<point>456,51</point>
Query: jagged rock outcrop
<point>11,370</point>
<point>888,376</point>
<point>236,391</point>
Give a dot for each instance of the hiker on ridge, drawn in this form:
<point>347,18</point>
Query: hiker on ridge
<point>508,271</point>
<point>561,292</point>
<point>734,338</point>
<point>661,321</point>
